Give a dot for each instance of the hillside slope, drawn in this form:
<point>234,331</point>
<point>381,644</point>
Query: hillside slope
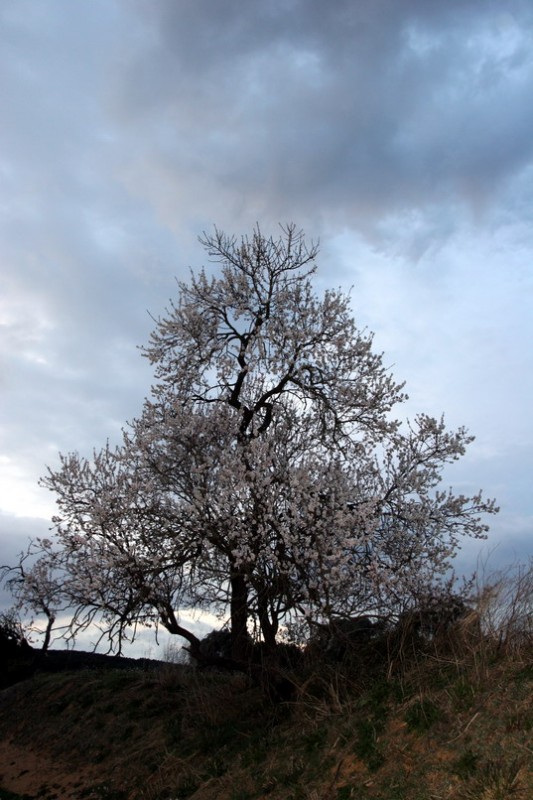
<point>438,727</point>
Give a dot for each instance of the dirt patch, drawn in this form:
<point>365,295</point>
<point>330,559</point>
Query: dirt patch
<point>26,771</point>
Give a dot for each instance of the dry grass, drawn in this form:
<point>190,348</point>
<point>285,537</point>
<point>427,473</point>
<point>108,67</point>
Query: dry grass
<point>450,720</point>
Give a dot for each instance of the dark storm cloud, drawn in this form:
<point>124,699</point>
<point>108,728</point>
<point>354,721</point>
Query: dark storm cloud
<point>347,107</point>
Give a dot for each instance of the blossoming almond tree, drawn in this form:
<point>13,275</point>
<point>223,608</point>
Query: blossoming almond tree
<point>266,477</point>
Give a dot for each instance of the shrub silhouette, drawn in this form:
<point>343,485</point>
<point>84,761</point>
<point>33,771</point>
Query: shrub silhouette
<point>17,657</point>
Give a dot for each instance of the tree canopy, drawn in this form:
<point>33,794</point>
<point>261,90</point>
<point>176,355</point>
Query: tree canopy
<point>266,477</point>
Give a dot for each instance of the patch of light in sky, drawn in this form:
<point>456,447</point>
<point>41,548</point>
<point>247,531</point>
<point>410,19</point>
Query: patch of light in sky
<point>144,646</point>
<point>420,40</point>
<point>500,40</point>
<point>19,495</point>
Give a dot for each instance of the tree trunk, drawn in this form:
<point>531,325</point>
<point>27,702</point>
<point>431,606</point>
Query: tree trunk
<point>48,632</point>
<point>240,641</point>
<point>269,629</point>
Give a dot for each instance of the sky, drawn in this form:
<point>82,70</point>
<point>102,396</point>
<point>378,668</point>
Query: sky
<point>397,132</point>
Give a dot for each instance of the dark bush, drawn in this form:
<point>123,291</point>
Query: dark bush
<point>12,639</point>
<point>287,656</point>
<point>344,637</point>
<point>434,616</point>
<point>17,657</point>
<point>217,644</point>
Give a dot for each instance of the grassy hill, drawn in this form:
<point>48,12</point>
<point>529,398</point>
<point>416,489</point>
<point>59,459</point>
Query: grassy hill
<point>400,717</point>
<point>455,721</point>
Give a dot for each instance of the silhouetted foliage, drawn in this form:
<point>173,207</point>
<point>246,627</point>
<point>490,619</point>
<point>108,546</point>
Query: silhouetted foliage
<point>16,654</point>
<point>434,616</point>
<point>343,638</point>
<point>12,639</point>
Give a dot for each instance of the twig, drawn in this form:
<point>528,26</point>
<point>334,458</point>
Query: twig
<point>334,781</point>
<point>464,729</point>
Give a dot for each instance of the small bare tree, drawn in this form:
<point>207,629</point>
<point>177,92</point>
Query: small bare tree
<point>34,584</point>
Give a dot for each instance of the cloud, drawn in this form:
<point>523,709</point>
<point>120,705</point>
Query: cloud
<point>15,534</point>
<point>346,112</point>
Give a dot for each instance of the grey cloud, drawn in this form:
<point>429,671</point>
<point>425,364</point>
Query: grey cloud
<point>352,107</point>
<point>15,535</point>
